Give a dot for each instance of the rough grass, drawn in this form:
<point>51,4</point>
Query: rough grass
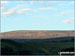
<point>11,47</point>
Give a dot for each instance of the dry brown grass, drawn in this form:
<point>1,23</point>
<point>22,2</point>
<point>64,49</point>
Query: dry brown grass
<point>36,34</point>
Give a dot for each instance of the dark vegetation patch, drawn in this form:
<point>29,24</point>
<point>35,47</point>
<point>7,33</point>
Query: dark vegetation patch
<point>41,47</point>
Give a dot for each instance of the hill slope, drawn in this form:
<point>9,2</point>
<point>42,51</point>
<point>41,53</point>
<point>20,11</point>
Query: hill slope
<point>36,34</point>
<point>41,47</point>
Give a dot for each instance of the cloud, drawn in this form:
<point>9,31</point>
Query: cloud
<point>64,13</point>
<point>35,1</point>
<point>10,11</point>
<point>4,2</point>
<point>21,11</point>
<point>69,20</point>
<point>48,8</point>
<point>66,4</point>
<point>16,11</point>
<point>71,3</point>
<point>35,24</point>
<point>20,5</point>
<point>32,2</point>
<point>1,8</point>
<point>52,2</point>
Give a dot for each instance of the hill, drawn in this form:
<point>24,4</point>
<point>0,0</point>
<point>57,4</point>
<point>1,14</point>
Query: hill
<point>30,34</point>
<point>36,42</point>
<point>35,47</point>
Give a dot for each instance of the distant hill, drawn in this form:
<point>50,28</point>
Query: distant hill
<point>32,34</point>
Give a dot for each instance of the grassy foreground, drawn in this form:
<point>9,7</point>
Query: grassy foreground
<point>37,47</point>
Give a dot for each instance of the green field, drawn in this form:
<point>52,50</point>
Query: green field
<point>37,47</point>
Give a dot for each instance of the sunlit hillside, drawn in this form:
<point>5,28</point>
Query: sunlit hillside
<point>36,34</point>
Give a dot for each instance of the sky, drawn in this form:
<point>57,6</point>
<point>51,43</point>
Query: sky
<point>37,15</point>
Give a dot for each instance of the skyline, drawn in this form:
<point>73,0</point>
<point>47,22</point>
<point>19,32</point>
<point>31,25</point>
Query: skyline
<point>37,15</point>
